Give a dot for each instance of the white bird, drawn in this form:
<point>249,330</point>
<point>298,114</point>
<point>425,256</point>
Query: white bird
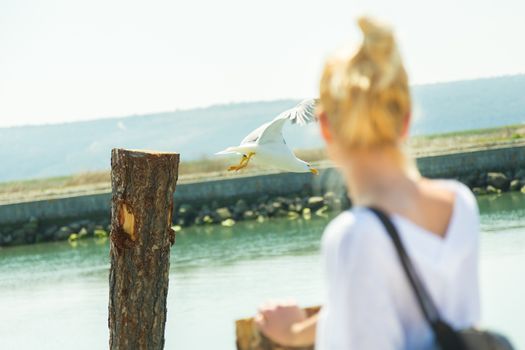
<point>267,145</point>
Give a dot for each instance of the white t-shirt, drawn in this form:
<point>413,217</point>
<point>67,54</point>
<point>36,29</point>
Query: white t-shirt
<point>369,303</point>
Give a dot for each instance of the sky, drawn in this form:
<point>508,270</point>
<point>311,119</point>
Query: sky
<point>68,60</point>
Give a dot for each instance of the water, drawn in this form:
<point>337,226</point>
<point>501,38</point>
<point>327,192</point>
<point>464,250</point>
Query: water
<point>53,296</point>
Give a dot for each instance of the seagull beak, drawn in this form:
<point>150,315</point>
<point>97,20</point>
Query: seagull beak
<point>314,171</point>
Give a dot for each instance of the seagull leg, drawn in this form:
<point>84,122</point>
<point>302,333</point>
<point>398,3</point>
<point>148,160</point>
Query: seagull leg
<point>241,165</point>
<point>313,170</point>
<point>250,155</point>
<point>244,162</point>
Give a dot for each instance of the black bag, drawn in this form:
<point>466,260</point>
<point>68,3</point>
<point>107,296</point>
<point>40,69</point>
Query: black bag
<point>446,337</point>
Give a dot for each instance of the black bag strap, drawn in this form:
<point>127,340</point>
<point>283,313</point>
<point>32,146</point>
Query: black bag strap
<point>446,337</point>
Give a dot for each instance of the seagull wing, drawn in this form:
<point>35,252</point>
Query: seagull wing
<point>255,134</point>
<point>301,114</point>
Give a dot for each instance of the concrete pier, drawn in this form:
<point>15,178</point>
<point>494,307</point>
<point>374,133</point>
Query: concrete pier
<point>457,165</point>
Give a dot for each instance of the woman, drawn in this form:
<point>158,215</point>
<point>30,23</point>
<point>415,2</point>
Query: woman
<point>364,116</point>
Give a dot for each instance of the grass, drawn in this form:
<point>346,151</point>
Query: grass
<point>55,182</point>
<point>465,140</point>
<point>215,167</point>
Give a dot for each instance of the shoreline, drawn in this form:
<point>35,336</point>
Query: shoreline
<point>259,197</point>
<point>214,168</point>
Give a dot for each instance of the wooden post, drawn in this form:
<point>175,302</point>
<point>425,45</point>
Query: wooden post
<point>141,237</point>
<point>249,337</point>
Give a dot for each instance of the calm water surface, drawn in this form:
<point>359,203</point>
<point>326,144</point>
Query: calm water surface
<point>53,296</point>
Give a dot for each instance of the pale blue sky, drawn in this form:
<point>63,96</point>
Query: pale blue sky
<point>66,60</point>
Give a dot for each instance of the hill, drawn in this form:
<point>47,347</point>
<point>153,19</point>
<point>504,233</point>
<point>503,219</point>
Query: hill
<point>62,149</point>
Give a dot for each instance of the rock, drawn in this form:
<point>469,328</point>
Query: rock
<point>292,215</point>
<point>281,213</point>
<point>186,212</point>
<point>322,211</point>
<point>514,185</point>
<point>332,201</point>
<point>284,203</point>
<point>307,213</point>
<point>293,207</point>
<point>268,209</point>
<point>498,180</point>
<point>198,220</point>
<point>492,190</point>
<point>329,198</point>
<point>479,191</point>
<point>228,222</point>
<point>206,216</point>
<point>63,233</point>
<point>262,210</point>
<point>207,219</point>
<point>337,205</point>
<point>82,233</point>
<point>240,206</point>
<point>329,195</point>
<point>181,222</point>
<point>523,189</point>
<point>249,215</point>
<point>277,206</point>
<point>296,205</point>
<point>77,225</point>
<point>315,203</point>
<point>223,213</point>
<point>100,233</point>
<point>185,215</point>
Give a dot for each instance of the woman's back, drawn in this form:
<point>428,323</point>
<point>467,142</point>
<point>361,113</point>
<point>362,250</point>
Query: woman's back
<point>369,302</point>
<point>364,115</point>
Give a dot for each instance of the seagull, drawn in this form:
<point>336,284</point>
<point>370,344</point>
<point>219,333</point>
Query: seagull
<point>267,145</point>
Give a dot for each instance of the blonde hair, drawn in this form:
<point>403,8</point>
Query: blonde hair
<point>366,96</point>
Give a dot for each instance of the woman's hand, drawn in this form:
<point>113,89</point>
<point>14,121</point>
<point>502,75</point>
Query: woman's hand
<point>281,322</point>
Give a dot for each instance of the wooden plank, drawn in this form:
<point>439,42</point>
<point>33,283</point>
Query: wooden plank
<point>249,338</point>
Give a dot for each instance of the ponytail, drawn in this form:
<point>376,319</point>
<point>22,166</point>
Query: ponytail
<point>366,95</point>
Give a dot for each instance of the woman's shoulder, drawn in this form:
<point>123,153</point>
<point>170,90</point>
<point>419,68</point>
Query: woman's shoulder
<point>462,192</point>
<point>355,243</point>
<point>354,227</point>
<point>350,221</point>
